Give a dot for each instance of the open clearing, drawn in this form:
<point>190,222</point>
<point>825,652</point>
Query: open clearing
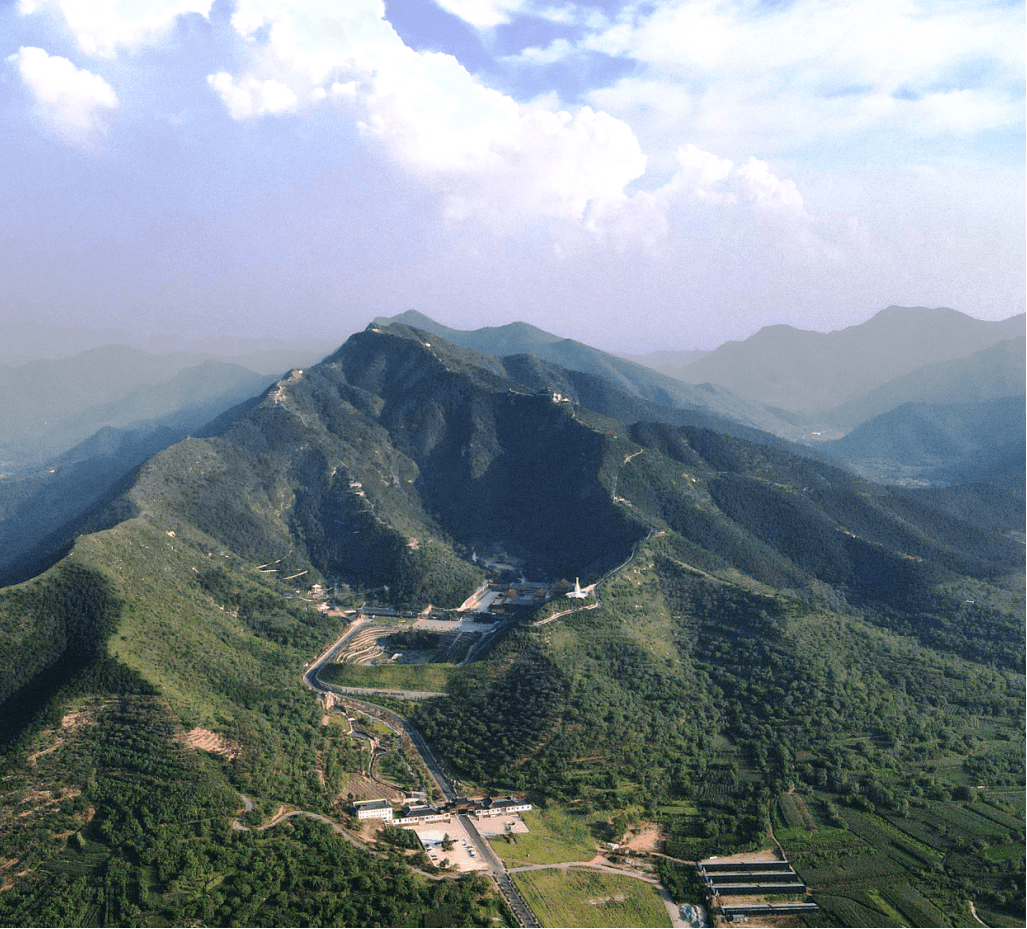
<point>499,825</point>
<point>208,741</point>
<point>580,897</point>
<point>555,836</point>
<point>431,677</point>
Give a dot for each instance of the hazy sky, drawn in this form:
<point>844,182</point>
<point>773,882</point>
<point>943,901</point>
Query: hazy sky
<point>660,174</point>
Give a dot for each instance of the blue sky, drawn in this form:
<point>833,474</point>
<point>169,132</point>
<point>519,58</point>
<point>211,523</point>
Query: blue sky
<point>665,174</point>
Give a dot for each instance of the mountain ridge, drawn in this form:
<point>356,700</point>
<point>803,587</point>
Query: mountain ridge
<point>650,385</point>
<point>811,372</point>
<point>766,626</point>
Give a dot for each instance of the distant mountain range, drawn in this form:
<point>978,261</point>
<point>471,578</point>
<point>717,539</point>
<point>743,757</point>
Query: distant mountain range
<point>668,362</point>
<point>938,442</point>
<point>774,642</point>
<point>814,372</point>
<point>996,371</point>
<point>52,405</point>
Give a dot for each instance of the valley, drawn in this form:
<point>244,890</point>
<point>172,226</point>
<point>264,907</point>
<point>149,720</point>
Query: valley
<point>728,645</point>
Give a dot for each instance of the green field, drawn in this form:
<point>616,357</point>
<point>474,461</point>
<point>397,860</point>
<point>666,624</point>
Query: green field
<point>556,836</point>
<point>430,677</point>
<point>579,897</point>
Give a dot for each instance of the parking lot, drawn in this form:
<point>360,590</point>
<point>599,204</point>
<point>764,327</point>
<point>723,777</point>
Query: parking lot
<point>462,855</point>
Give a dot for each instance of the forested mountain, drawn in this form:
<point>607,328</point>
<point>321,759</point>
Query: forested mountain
<point>995,372</point>
<point>813,372</point>
<point>635,379</point>
<point>52,405</point>
<point>766,626</point>
<point>935,442</point>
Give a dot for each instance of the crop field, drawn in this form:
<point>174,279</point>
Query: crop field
<point>967,822</point>
<point>917,909</point>
<point>554,836</point>
<point>923,832</point>
<point>430,677</point>
<point>579,897</point>
<point>794,812</point>
<point>999,815</point>
<point>883,870</point>
<point>893,841</point>
<point>844,911</point>
<point>852,871</point>
<point>823,840</point>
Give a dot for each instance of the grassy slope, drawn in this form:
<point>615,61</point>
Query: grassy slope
<point>212,670</point>
<point>578,897</point>
<point>555,835</point>
<point>721,666</point>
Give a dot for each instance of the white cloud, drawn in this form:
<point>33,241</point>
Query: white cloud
<point>483,14</point>
<point>102,27</point>
<point>251,96</point>
<point>739,78</point>
<point>491,155</point>
<point>557,50</point>
<point>765,190</point>
<point>704,177</point>
<point>71,101</point>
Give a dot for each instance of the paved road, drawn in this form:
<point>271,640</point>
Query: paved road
<point>310,675</point>
<point>518,904</point>
<point>399,724</point>
<point>507,887</point>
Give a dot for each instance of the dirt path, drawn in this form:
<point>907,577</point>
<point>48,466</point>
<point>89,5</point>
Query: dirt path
<point>596,864</point>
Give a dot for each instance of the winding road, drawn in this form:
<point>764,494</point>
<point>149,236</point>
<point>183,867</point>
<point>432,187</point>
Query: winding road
<point>400,724</point>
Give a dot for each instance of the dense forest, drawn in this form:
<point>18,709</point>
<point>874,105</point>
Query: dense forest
<point>776,648</point>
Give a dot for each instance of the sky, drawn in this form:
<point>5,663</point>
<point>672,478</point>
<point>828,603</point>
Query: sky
<point>665,174</point>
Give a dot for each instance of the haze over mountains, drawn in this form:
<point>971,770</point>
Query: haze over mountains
<point>767,625</point>
<point>134,403</point>
<point>52,405</point>
<point>814,372</point>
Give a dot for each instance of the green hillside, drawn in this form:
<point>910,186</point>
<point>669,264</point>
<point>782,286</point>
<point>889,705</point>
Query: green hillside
<point>995,372</point>
<point>628,377</point>
<point>939,442</point>
<point>767,627</point>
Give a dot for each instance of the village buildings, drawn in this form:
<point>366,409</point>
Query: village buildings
<point>421,813</point>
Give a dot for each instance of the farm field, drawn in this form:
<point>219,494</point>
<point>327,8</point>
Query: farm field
<point>555,836</point>
<point>579,897</point>
<point>868,869</point>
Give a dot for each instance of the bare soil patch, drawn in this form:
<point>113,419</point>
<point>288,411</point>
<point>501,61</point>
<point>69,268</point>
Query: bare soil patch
<point>599,901</point>
<point>363,788</point>
<point>766,854</point>
<point>46,751</point>
<point>207,741</point>
<point>79,718</point>
<point>651,838</point>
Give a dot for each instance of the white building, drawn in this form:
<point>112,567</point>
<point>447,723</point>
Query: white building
<point>501,806</point>
<point>577,593</point>
<point>374,809</point>
<point>419,815</point>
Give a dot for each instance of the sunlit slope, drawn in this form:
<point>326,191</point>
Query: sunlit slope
<point>785,625</point>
